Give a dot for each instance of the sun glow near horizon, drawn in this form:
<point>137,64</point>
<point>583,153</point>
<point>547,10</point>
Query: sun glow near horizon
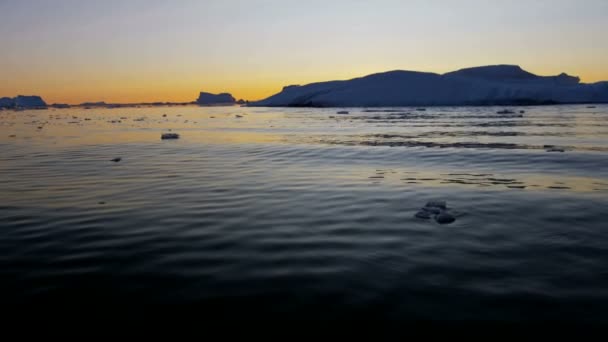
<point>147,51</point>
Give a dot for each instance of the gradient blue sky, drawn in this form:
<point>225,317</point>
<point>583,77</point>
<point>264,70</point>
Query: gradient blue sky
<point>120,51</point>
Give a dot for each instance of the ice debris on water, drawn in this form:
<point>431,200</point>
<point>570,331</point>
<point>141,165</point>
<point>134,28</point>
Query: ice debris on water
<point>166,136</point>
<point>423,214</point>
<point>444,218</point>
<point>438,210</point>
<point>552,148</point>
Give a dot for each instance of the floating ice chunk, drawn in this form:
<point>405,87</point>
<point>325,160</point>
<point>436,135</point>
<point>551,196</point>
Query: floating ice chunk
<point>166,136</point>
<point>436,204</point>
<point>444,218</point>
<point>423,214</point>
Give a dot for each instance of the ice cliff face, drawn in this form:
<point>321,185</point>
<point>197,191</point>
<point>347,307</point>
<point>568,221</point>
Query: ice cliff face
<point>488,85</point>
<point>212,99</point>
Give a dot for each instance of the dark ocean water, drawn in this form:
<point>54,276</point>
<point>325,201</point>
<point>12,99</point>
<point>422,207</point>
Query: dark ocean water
<point>305,213</point>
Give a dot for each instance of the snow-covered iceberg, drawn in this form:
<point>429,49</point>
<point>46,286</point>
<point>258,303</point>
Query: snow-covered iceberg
<point>215,99</point>
<point>487,85</point>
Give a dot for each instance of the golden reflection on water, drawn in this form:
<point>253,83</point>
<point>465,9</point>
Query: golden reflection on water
<point>55,129</point>
<point>494,181</point>
<point>75,127</point>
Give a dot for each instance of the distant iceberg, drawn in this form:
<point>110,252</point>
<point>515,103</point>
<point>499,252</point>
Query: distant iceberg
<point>22,102</point>
<point>487,85</point>
<point>33,101</point>
<point>215,99</point>
<point>7,102</point>
<point>93,104</point>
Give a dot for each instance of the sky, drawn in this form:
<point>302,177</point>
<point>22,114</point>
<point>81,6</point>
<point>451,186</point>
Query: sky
<point>72,51</point>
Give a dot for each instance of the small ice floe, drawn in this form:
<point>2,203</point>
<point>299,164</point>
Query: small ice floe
<point>436,204</point>
<point>437,210</point>
<point>342,112</point>
<point>166,136</point>
<point>116,160</point>
<point>551,148</point>
<point>422,214</point>
<point>505,111</point>
<point>516,186</point>
<point>444,218</point>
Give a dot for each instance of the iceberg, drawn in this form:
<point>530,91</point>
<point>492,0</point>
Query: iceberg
<point>93,104</point>
<point>215,99</point>
<point>7,102</point>
<point>23,102</point>
<point>33,101</point>
<point>487,85</point>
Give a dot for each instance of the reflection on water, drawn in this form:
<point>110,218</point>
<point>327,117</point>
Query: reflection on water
<point>308,213</point>
<point>489,180</point>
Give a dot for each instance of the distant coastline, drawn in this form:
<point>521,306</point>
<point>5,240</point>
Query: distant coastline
<point>494,85</point>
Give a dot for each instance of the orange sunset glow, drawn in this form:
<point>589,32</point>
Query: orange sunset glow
<point>134,51</point>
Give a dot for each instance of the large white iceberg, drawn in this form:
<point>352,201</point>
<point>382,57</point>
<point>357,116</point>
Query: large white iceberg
<point>487,85</point>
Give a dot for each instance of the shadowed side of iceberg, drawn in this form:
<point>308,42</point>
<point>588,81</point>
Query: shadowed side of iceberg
<point>490,85</point>
<point>23,102</point>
